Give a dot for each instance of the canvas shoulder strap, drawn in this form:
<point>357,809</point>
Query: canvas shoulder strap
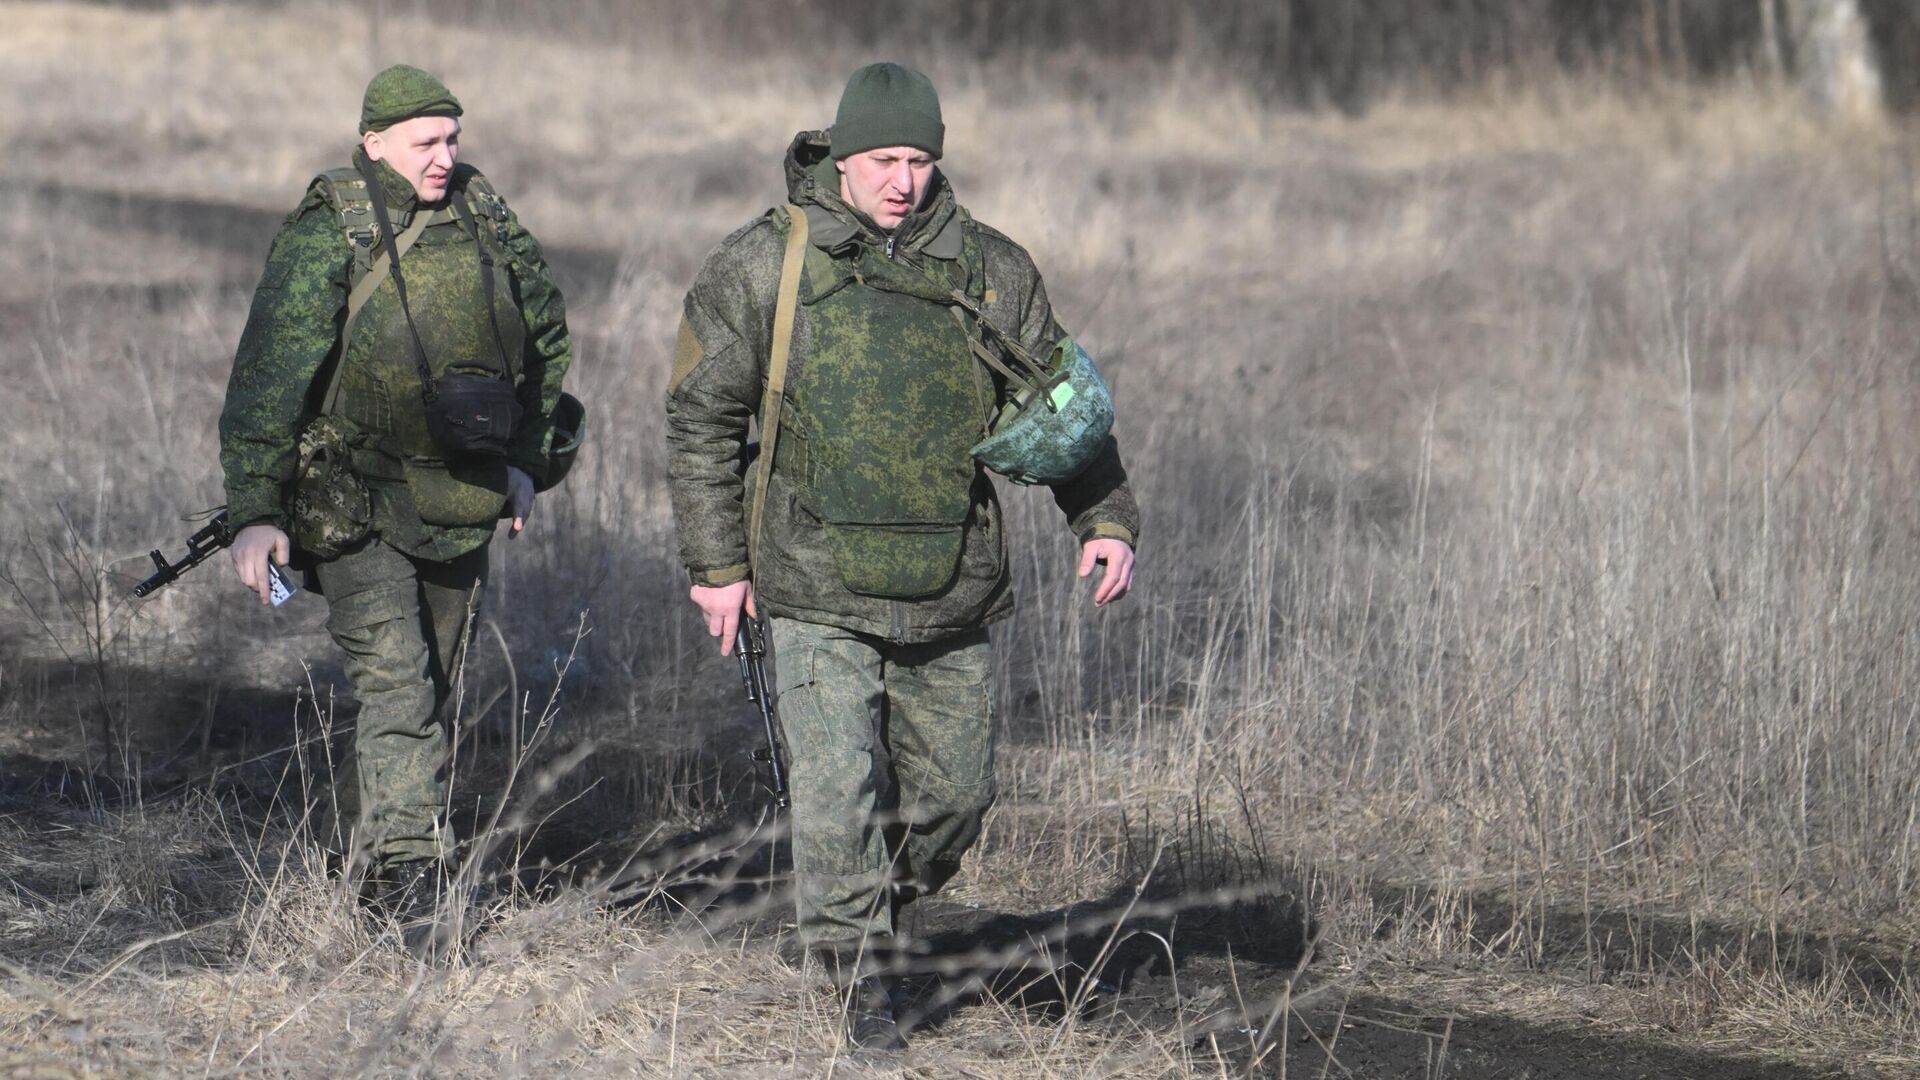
<point>345,191</point>
<point>363,289</point>
<point>1019,368</point>
<point>786,299</point>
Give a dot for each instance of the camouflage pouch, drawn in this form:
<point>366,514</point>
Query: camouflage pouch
<point>896,562</point>
<point>895,532</point>
<point>330,511</point>
<point>460,494</point>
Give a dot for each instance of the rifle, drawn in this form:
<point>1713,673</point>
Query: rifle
<point>750,645</point>
<point>213,536</point>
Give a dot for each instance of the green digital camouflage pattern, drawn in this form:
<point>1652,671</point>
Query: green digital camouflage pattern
<point>329,511</point>
<point>277,384</point>
<point>403,623</point>
<point>912,420</point>
<point>403,92</point>
<point>892,490</point>
<point>890,752</point>
<point>380,387</point>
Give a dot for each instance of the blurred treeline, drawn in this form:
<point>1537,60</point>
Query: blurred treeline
<point>1314,53</point>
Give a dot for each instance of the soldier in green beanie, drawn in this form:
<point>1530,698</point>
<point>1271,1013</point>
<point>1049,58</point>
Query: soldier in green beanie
<point>401,300</point>
<point>867,532</point>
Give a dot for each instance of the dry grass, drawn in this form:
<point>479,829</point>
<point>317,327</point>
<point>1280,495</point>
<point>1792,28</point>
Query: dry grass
<point>1526,604</point>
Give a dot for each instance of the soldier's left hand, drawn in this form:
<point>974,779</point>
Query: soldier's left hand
<point>1118,555</point>
<point>520,496</point>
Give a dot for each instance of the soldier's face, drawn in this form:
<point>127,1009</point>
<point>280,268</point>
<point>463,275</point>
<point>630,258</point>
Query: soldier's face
<point>885,184</point>
<point>422,149</point>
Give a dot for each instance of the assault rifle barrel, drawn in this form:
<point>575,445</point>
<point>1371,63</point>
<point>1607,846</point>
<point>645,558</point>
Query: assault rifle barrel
<point>212,537</point>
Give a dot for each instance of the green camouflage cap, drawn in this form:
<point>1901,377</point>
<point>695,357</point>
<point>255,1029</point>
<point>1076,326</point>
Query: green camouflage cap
<point>403,92</point>
<point>887,105</point>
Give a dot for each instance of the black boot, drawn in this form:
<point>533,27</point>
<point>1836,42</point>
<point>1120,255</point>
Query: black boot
<point>871,1026</point>
<point>414,896</point>
<point>866,999</point>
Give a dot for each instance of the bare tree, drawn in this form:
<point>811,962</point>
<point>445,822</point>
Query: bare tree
<point>1833,55</point>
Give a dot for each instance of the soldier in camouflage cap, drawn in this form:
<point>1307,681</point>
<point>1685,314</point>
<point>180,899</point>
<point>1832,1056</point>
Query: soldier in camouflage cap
<point>881,559</point>
<point>396,538</point>
<point>401,93</point>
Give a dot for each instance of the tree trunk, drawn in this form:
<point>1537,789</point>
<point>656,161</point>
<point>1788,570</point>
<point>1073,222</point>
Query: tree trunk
<point>1770,52</point>
<point>1833,57</point>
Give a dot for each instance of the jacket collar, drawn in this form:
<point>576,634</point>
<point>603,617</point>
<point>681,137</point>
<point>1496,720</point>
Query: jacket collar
<point>834,226</point>
<point>401,199</point>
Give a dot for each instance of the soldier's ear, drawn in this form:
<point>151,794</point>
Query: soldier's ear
<point>371,143</point>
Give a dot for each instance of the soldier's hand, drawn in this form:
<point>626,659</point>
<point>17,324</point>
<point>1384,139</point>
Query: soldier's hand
<point>252,547</point>
<point>520,497</point>
<point>1118,555</point>
<point>721,605</point>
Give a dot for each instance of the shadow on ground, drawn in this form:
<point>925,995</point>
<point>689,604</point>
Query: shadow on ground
<point>1233,968</point>
<point>97,857</point>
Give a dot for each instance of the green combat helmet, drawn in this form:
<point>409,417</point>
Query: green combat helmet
<point>569,431</point>
<point>1057,421</point>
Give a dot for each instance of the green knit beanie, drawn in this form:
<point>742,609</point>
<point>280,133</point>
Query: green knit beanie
<point>887,105</point>
<point>403,92</point>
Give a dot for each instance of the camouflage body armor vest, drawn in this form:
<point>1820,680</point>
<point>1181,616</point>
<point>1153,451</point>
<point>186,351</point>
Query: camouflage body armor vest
<point>379,382</point>
<point>881,421</point>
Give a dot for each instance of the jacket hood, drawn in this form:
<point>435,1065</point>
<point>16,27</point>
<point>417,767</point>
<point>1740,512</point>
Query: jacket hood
<point>814,184</point>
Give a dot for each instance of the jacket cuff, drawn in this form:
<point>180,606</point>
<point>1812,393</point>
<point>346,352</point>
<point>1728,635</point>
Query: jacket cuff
<point>245,511</point>
<point>725,575</point>
<point>1107,530</point>
<point>234,527</point>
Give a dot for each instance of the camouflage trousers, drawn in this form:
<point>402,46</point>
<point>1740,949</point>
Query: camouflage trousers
<point>403,623</point>
<point>890,760</point>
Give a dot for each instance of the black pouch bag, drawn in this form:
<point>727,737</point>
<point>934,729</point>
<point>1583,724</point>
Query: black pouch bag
<point>472,413</point>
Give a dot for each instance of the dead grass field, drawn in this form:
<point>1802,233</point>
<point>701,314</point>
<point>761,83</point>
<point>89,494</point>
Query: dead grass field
<point>1520,680</point>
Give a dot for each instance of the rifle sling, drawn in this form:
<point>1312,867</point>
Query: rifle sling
<point>786,300</point>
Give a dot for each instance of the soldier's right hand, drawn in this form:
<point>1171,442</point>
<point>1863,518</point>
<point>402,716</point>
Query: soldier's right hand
<point>252,547</point>
<point>721,605</point>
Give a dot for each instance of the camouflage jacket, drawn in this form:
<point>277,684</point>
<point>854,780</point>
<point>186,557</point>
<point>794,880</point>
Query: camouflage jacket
<point>281,368</point>
<point>719,378</point>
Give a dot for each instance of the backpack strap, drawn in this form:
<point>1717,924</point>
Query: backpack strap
<point>483,213</point>
<point>965,274</point>
<point>786,299</point>
<point>464,213</point>
<point>376,272</point>
<point>428,392</point>
<point>345,192</point>
<point>486,204</point>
